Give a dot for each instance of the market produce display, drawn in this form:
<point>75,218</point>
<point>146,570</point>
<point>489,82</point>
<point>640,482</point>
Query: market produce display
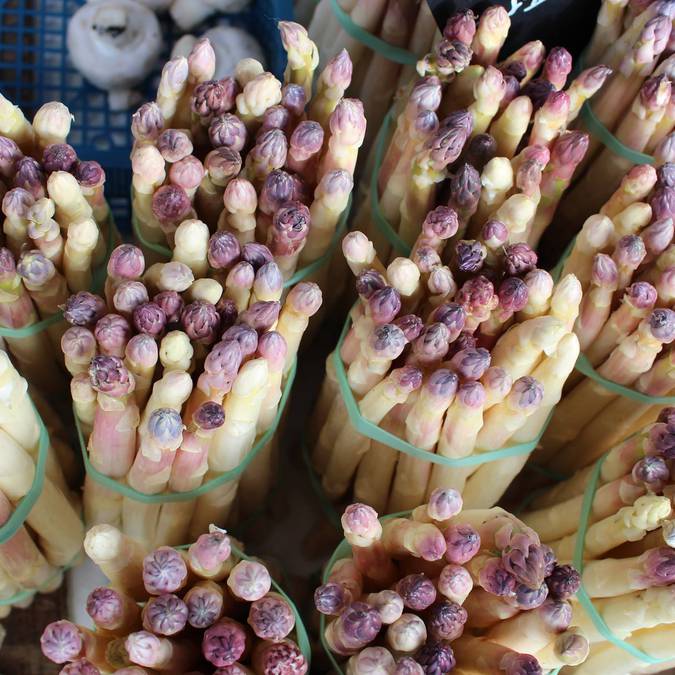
<point>57,232</point>
<point>208,606</point>
<point>460,360</point>
<point>176,374</point>
<point>623,502</point>
<point>241,155</point>
<point>441,589</point>
<point>623,259</point>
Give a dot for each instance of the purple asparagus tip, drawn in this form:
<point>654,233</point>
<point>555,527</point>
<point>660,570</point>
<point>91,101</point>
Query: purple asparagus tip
<point>223,251</point>
<point>227,131</point>
<point>368,282</point>
<point>271,618</point>
<point>29,175</point>
<point>104,605</point>
<point>513,294</point>
<point>244,336</point>
<point>165,426</point>
<point>463,543</point>
<point>384,304</point>
<point>452,315</point>
<point>224,643</point>
<point>530,598</point>
<point>171,303</point>
<point>170,204</point>
<point>174,144</point>
<point>201,322</point>
<point>277,189</point>
<point>653,471</point>
<point>149,318</point>
<point>331,599</point>
<point>513,663</point>
<point>112,332</point>
<point>61,641</point>
<point>204,607</point>
<point>81,309</point>
<point>495,579</point>
<point>411,325</point>
<point>662,325</point>
<point>294,98</point>
<point>436,658</point>
<point>481,150</point>
<point>126,262</point>
<point>59,157</point>
<point>461,26</point>
<point>147,122</point>
<point>441,222</point>
<point>165,615</point>
<point>519,259</point>
<point>446,620</point>
<point>164,571</point>
<point>108,375</point>
<point>213,98</point>
<point>89,174</point>
<point>538,90</point>
<point>209,416</point>
<point>256,255</point>
<point>261,316</point>
<point>658,566</point>
<point>470,364</point>
<point>563,582</point>
<point>80,667</point>
<point>417,590</point>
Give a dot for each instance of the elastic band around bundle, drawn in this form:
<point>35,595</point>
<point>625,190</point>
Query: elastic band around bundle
<point>299,276</point>
<point>374,432</point>
<point>391,53</point>
<point>609,140</point>
<point>375,211</point>
<point>578,562</point>
<point>170,497</point>
<point>98,278</point>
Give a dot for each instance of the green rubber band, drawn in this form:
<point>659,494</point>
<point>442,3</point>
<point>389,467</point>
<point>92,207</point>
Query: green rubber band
<point>98,279</point>
<point>299,276</point>
<point>583,365</point>
<point>170,497</point>
<point>375,211</point>
<point>609,140</point>
<point>25,506</point>
<point>375,433</point>
<point>395,54</point>
<point>578,562</point>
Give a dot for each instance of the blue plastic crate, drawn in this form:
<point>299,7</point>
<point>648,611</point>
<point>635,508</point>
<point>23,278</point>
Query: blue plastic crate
<point>34,69</point>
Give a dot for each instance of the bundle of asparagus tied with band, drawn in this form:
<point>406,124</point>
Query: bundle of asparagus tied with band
<point>177,372</point>
<point>636,106</point>
<point>429,359</point>
<point>629,553</point>
<point>56,227</point>
<point>445,590</point>
<point>178,611</point>
<point>623,257</point>
<point>494,133</point>
<point>51,535</point>
<point>377,74</point>
<point>247,154</point>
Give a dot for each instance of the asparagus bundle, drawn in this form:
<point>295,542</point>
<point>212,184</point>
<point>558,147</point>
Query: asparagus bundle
<point>622,507</point>
<point>239,155</point>
<point>40,531</point>
<point>400,31</point>
<point>177,381</point>
<point>442,590</point>
<point>622,257</point>
<point>634,113</point>
<point>429,359</point>
<point>488,137</point>
<point>56,232</point>
<point>180,611</point>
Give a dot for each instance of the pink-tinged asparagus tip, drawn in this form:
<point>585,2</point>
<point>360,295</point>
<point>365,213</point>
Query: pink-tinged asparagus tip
<point>272,347</point>
<point>475,293</point>
<point>112,332</point>
<point>126,262</point>
<point>108,375</point>
<point>658,566</point>
<point>224,643</point>
<point>563,583</point>
<point>368,281</point>
<point>661,440</point>
<point>78,341</point>
<point>174,144</point>
<point>348,122</point>
<point>655,92</point>
<point>446,145</point>
<point>470,364</point>
<point>17,202</point>
<point>256,255</point>
<point>270,150</point>
<point>463,341</point>
<point>411,325</point>
<point>359,625</point>
<point>558,66</point>
<point>444,503</point>
<point>228,131</point>
<point>201,60</point>
<point>10,154</point>
<point>604,272</point>
<point>245,336</point>
<point>209,416</point>
<point>234,669</point>
<point>556,614</point>
<point>462,543</point>
<point>294,98</point>
<point>446,620</point>
<point>143,647</point>
<point>331,599</point>
<point>513,294</point>
<point>204,607</point>
<point>147,122</point>
<point>519,259</point>
<point>335,185</point>
<point>214,97</point>
<point>282,657</point>
<point>240,195</point>
<point>408,666</point>
<point>170,204</point>
<point>271,618</point>
<point>35,268</point>
<point>249,580</point>
<point>452,315</point>
<point>513,663</point>
<point>450,57</point>
<point>149,318</point>
<point>223,250</point>
<point>530,598</point>
<point>641,295</point>
<point>495,579</point>
<point>384,304</point>
<point>407,378</point>
<point>165,615</point>
<point>630,251</point>
<point>187,172</point>
<point>454,580</point>
<point>105,606</point>
<point>662,325</point>
<point>201,322</point>
<point>129,295</point>
<point>80,667</point>
<point>441,222</point>
<point>262,315</point>
<point>663,203</point>
<point>277,117</point>
<point>142,349</point>
<point>426,258</point>
<point>338,71</point>
<point>61,641</point>
<point>526,393</point>
<point>59,157</point>
<point>665,174</point>
<point>461,26</point>
<point>222,163</point>
<point>652,471</point>
<point>433,342</point>
<point>211,550</point>
<point>165,427</point>
<point>29,175</point>
<point>469,255</point>
<point>569,149</point>
<point>171,303</point>
<point>436,657</point>
<point>268,279</point>
<point>164,571</point>
<point>305,298</point>
<point>426,94</point>
<point>360,521</point>
<point>290,226</point>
